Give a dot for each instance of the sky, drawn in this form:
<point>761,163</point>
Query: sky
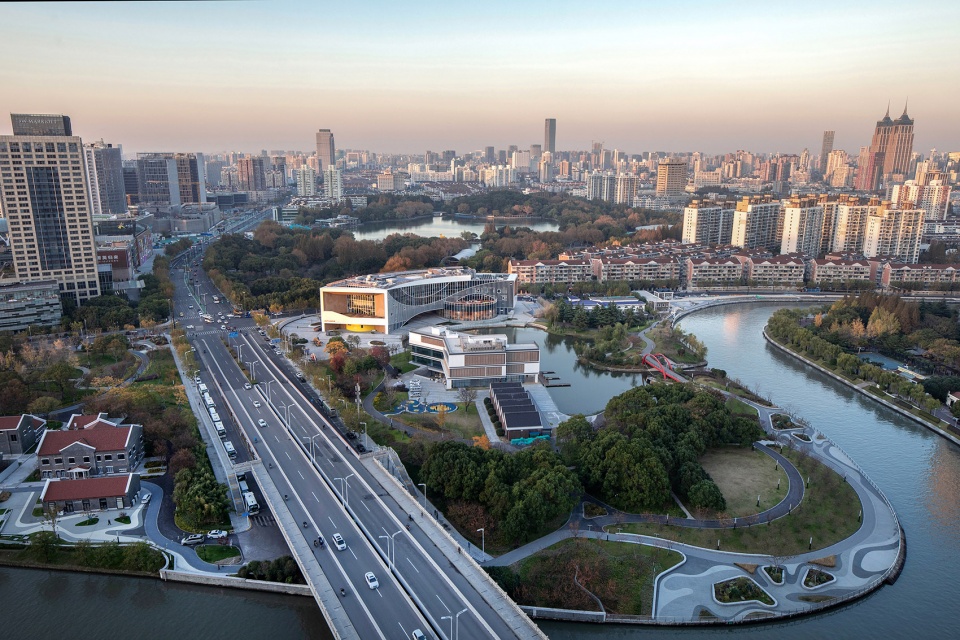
<point>406,77</point>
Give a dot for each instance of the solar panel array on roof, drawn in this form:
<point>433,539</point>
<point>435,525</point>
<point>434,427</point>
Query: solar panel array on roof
<point>514,406</point>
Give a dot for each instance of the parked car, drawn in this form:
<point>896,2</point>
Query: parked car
<point>371,580</point>
<point>217,534</point>
<point>192,539</point>
<point>146,498</point>
<point>338,542</point>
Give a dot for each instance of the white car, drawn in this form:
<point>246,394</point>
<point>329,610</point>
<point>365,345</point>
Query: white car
<point>256,404</point>
<point>262,423</point>
<point>248,386</point>
<point>190,326</point>
<point>338,542</point>
<point>371,580</point>
<point>217,534</point>
<point>146,498</point>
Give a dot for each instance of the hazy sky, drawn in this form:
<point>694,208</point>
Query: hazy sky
<point>405,77</point>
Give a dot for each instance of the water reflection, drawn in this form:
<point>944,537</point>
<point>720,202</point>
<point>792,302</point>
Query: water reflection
<point>447,226</point>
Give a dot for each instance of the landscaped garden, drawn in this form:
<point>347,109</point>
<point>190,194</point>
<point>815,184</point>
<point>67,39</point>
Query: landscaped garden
<point>743,474</point>
<point>740,589</point>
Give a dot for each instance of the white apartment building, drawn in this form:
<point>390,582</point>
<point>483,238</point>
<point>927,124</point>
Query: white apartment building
<point>894,232</point>
<point>333,183</point>
<point>708,222</point>
<point>802,226</point>
<point>757,223</point>
<point>306,180</point>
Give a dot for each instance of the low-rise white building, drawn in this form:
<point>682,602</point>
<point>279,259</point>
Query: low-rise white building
<point>468,360</point>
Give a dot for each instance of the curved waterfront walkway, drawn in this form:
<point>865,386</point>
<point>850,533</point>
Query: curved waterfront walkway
<point>684,594</point>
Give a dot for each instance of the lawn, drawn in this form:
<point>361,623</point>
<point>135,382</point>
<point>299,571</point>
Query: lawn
<point>740,408</point>
<point>215,553</point>
<point>460,424</point>
<point>402,362</point>
<point>743,474</point>
<point>829,513</point>
<point>162,366</point>
<point>621,574</point>
<point>669,347</point>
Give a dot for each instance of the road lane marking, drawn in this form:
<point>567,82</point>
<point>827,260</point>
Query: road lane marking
<point>288,456</point>
<point>365,505</point>
<point>352,553</point>
<point>443,603</point>
<point>334,524</point>
<point>413,565</point>
<point>300,474</point>
<point>315,496</point>
<point>276,438</point>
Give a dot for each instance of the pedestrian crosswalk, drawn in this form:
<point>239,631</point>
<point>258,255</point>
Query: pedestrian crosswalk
<point>264,519</point>
<point>210,332</point>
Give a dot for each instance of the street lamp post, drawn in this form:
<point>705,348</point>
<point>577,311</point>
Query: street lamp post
<point>424,485</point>
<point>240,352</point>
<point>196,373</point>
<point>345,489</point>
<point>456,635</point>
<point>358,400</point>
<point>366,444</point>
<point>391,547</point>
<point>450,618</point>
<point>269,393</point>
<point>250,365</point>
<point>483,541</point>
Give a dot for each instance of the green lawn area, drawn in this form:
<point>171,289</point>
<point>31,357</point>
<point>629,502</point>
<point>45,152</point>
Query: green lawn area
<point>621,574</point>
<point>402,362</point>
<point>459,423</point>
<point>669,347</point>
<point>89,522</point>
<point>163,366</point>
<point>123,519</point>
<point>740,408</point>
<point>215,552</point>
<point>828,513</point>
<point>743,474</point>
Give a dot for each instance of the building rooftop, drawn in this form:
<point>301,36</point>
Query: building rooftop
<point>86,489</point>
<point>99,438</point>
<point>386,281</point>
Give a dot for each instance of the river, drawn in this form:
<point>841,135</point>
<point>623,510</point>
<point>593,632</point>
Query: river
<point>447,226</point>
<point>919,472</point>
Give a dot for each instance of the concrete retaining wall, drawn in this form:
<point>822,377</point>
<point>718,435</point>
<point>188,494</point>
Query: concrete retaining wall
<point>236,583</point>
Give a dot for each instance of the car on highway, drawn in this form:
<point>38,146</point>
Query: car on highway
<point>338,542</point>
<point>262,423</point>
<point>371,580</point>
<point>190,326</point>
<point>248,386</point>
<point>256,404</point>
<point>192,539</point>
<point>217,534</point>
<point>418,635</point>
<point>190,307</point>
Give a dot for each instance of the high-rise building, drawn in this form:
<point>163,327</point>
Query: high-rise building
<point>550,135</point>
<point>757,223</point>
<point>626,189</point>
<point>933,197</point>
<point>671,177</point>
<point>708,222</point>
<point>38,124</point>
<point>333,183</point>
<point>520,161</point>
<point>251,174</point>
<point>171,178</point>
<point>104,166</point>
<point>46,201</point>
<point>893,232</point>
<point>306,181</point>
<point>131,183</point>
<point>889,152</point>
<point>802,226</point>
<point>326,150</point>
<point>489,155</point>
<point>601,186</point>
<point>850,224</point>
<point>825,150</point>
<point>536,151</point>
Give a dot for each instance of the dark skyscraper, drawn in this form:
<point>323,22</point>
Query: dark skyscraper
<point>825,149</point>
<point>489,155</point>
<point>550,135</point>
<point>326,150</point>
<point>37,124</point>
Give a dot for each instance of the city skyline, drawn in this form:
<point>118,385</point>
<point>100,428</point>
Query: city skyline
<point>673,78</point>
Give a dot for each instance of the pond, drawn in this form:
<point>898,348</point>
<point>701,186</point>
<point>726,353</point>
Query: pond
<point>447,226</point>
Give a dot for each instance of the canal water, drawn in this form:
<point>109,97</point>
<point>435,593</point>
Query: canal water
<point>919,472</point>
<point>447,226</point>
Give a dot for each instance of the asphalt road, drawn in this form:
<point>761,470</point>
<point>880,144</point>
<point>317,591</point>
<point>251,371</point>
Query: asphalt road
<point>317,496</point>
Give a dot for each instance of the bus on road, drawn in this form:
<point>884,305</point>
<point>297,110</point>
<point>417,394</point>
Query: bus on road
<point>250,501</point>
